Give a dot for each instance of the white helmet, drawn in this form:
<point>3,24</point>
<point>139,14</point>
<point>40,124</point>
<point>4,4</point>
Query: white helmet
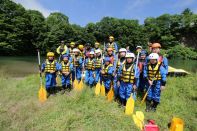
<point>128,55</point>
<point>91,52</point>
<point>122,50</point>
<point>153,56</point>
<point>76,50</point>
<point>98,51</point>
<point>139,47</point>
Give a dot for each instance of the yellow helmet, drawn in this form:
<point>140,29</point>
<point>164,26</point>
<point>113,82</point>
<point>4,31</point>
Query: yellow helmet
<point>50,54</point>
<point>111,37</point>
<point>97,43</point>
<point>72,43</point>
<point>80,47</point>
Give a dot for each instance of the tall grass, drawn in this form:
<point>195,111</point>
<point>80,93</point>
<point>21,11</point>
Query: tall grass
<point>20,109</point>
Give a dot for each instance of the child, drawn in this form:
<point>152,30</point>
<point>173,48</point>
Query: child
<point>127,78</point>
<point>66,69</point>
<point>89,73</point>
<point>155,74</point>
<point>77,65</point>
<point>98,64</point>
<point>107,74</point>
<point>50,67</point>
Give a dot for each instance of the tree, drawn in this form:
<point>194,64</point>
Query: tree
<point>22,31</point>
<point>15,29</point>
<point>58,29</point>
<point>38,28</point>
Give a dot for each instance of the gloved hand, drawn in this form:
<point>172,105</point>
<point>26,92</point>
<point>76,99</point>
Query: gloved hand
<point>118,83</point>
<point>150,82</point>
<point>163,88</point>
<point>134,87</point>
<point>52,72</point>
<point>102,72</point>
<point>94,75</point>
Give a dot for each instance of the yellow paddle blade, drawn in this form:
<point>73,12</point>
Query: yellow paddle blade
<point>129,106</point>
<point>110,94</point>
<point>80,85</point>
<point>137,122</point>
<point>135,119</point>
<point>140,116</point>
<point>58,80</point>
<point>102,90</point>
<point>98,89</point>
<point>75,83</point>
<point>177,124</point>
<point>42,94</point>
<point>144,98</point>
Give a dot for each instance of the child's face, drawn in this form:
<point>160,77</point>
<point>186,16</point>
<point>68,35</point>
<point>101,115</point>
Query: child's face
<point>129,60</point>
<point>153,61</point>
<point>62,45</point>
<point>91,56</point>
<point>51,58</point>
<point>107,63</point>
<point>155,50</point>
<point>122,54</point>
<point>76,53</point>
<point>98,54</point>
<point>138,49</point>
<point>110,52</point>
<point>142,57</point>
<point>111,39</point>
<point>65,59</point>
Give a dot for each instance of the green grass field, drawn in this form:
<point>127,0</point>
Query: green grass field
<point>21,110</point>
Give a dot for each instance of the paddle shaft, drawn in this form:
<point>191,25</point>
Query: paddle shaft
<point>59,58</point>
<point>136,65</point>
<point>103,55</point>
<point>75,68</point>
<point>153,79</point>
<point>39,65</point>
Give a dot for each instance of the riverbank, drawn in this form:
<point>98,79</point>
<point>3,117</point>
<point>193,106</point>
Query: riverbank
<point>20,109</point>
<point>24,66</point>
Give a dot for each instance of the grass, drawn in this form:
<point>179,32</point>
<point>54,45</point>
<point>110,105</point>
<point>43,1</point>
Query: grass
<point>20,109</point>
<point>18,66</point>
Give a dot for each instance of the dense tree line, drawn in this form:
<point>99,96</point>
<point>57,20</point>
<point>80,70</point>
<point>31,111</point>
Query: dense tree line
<point>23,31</point>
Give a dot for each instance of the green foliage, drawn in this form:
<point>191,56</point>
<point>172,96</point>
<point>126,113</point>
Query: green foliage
<point>38,28</point>
<point>15,28</point>
<point>182,52</point>
<point>23,31</point>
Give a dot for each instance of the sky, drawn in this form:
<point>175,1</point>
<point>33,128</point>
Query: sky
<point>82,12</point>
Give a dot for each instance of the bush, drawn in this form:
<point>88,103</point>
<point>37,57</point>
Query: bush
<point>182,52</point>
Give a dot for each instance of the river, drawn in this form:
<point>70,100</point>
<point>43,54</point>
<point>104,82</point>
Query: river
<point>23,66</point>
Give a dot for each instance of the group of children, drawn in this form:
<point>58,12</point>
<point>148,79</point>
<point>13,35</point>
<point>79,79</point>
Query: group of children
<point>120,69</point>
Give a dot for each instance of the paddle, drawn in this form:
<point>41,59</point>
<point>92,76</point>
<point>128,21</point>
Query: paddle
<point>100,88</point>
<point>131,102</point>
<point>110,94</point>
<point>42,94</point>
<point>138,119</point>
<point>81,83</point>
<point>75,83</point>
<point>153,79</point>
<point>58,73</point>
